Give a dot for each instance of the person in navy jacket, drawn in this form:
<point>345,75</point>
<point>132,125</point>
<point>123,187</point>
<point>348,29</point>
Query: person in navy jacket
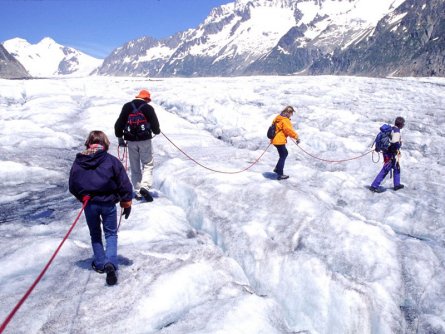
<point>390,159</point>
<point>102,178</point>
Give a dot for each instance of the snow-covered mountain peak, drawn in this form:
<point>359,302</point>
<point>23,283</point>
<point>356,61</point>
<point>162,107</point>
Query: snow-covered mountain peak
<point>48,41</point>
<point>272,37</point>
<point>15,42</point>
<point>47,58</point>
<point>247,28</point>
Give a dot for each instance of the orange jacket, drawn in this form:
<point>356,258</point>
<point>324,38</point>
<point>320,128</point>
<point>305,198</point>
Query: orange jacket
<point>283,130</point>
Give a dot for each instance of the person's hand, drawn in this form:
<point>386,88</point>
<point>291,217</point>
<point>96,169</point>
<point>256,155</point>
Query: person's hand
<point>122,142</point>
<point>126,212</point>
<point>298,141</point>
<point>85,198</point>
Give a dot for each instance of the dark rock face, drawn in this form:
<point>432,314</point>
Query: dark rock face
<point>10,68</point>
<point>413,45</point>
<point>288,57</point>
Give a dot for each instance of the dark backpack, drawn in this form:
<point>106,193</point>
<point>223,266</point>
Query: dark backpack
<point>271,131</point>
<point>137,127</point>
<point>383,139</point>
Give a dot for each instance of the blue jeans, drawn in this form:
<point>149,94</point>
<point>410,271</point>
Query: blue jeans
<point>282,151</point>
<point>93,213</point>
<point>390,162</point>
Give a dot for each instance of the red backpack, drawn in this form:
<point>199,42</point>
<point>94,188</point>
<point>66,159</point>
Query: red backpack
<point>137,127</point>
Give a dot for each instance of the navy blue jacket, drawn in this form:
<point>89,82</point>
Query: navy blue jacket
<point>102,176</point>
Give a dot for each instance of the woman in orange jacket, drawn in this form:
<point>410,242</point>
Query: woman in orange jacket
<point>283,129</point>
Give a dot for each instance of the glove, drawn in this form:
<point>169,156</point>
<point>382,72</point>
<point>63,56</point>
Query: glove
<point>85,198</point>
<point>122,142</point>
<point>126,212</point>
<point>298,141</point>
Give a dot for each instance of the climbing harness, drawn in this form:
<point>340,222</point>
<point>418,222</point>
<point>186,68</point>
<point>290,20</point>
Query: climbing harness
<point>26,295</point>
<point>214,170</point>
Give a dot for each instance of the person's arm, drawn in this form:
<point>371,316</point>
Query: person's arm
<point>396,139</point>
<point>150,114</point>
<point>72,185</point>
<point>121,122</point>
<point>289,130</point>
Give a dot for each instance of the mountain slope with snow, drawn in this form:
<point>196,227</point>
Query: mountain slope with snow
<point>324,27</point>
<point>48,58</point>
<point>10,68</point>
<point>230,253</point>
<point>231,38</point>
<point>248,37</point>
<point>410,41</point>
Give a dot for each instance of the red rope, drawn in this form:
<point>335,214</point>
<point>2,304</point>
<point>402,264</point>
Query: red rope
<point>332,161</point>
<point>124,156</point>
<point>214,170</point>
<point>26,295</point>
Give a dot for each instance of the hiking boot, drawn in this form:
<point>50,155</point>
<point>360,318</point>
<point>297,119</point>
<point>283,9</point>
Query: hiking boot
<point>97,270</point>
<point>144,192</point>
<point>376,190</point>
<point>400,186</point>
<point>282,177</point>
<point>111,274</point>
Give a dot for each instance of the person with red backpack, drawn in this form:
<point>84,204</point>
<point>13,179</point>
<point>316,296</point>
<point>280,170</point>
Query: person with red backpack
<point>283,129</point>
<point>134,127</point>
<point>390,156</point>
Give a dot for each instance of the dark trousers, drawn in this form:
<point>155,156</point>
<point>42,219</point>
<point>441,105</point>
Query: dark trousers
<point>282,152</point>
<point>390,163</point>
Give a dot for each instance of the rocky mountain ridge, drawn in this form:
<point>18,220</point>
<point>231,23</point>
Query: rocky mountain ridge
<point>10,68</point>
<point>261,37</point>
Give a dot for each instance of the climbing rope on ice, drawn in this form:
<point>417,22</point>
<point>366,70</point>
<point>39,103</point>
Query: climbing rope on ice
<point>334,161</point>
<point>258,159</point>
<point>31,288</point>
<point>214,170</point>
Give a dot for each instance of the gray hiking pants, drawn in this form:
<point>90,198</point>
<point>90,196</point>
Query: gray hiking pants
<point>141,164</point>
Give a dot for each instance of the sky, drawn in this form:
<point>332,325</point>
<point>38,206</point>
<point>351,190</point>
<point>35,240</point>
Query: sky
<point>96,27</point>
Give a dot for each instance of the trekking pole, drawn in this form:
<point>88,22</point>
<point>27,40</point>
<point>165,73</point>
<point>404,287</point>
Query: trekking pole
<point>120,219</point>
<point>31,288</point>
